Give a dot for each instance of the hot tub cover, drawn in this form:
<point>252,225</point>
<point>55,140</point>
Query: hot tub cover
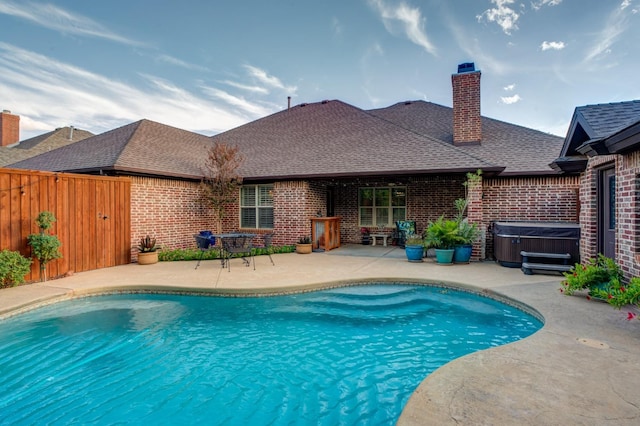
<point>537,229</point>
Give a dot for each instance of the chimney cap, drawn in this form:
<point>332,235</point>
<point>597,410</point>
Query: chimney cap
<point>466,67</point>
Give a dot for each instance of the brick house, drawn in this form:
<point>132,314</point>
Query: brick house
<point>329,158</point>
<point>603,146</point>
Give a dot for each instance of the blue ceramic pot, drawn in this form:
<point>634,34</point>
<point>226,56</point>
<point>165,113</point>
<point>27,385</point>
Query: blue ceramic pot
<point>414,253</point>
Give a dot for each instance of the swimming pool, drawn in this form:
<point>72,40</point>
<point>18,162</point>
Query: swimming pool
<point>350,355</point>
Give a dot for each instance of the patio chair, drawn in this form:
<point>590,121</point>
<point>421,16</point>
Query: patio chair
<point>268,239</point>
<point>403,228</point>
<point>204,243</point>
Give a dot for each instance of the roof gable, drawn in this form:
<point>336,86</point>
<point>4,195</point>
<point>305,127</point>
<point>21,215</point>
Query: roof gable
<point>597,122</point>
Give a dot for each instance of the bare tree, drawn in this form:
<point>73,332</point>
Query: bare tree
<point>221,179</point>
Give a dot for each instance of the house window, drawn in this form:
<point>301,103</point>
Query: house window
<point>256,206</point>
<point>382,206</point>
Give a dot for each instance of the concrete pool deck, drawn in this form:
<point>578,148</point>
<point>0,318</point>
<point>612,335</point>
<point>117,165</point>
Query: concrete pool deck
<point>581,368</point>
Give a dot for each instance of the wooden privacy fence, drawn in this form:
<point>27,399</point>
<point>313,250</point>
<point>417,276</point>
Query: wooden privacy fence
<point>93,218</point>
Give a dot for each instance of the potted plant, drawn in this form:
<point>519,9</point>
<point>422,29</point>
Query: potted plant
<point>366,236</point>
<point>44,247</point>
<point>414,248</point>
<point>597,275</point>
<point>147,251</point>
<point>468,233</point>
<point>303,246</point>
<point>442,235</point>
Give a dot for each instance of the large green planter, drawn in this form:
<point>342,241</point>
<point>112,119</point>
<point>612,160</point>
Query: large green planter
<point>414,253</point>
<point>444,256</point>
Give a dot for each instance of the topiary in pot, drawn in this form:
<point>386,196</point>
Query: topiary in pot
<point>44,247</point>
<point>13,268</point>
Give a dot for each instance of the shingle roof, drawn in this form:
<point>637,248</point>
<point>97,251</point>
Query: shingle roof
<point>603,120</point>
<point>143,147</point>
<point>598,121</point>
<point>519,149</point>
<point>41,143</point>
<point>322,139</point>
<point>332,138</point>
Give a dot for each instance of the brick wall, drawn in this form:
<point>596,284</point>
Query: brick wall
<point>427,199</point>
<point>628,214</point>
<point>627,208</point>
<point>168,210</point>
<point>295,202</point>
<point>467,125</point>
<point>529,198</point>
<point>171,211</point>
<point>589,206</point>
<point>9,128</point>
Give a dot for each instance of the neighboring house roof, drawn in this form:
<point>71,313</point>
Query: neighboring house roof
<point>318,140</point>
<point>43,143</point>
<point>144,147</point>
<point>519,149</point>
<point>590,126</point>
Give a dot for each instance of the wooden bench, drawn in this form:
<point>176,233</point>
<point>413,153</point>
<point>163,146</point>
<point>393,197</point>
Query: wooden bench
<point>528,267</point>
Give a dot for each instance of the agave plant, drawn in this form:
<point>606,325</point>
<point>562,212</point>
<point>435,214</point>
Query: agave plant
<point>147,245</point>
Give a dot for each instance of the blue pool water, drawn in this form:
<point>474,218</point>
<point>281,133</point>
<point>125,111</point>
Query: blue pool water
<point>347,356</point>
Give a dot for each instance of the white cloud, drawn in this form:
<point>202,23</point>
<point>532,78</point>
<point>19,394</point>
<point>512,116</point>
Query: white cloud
<point>246,87</point>
<point>47,94</point>
<point>540,3</point>
<point>510,87</point>
<point>503,15</point>
<point>263,77</point>
<point>180,63</point>
<point>410,20</point>
<point>239,102</point>
<point>336,26</point>
<point>552,45</point>
<point>57,19</point>
<point>510,99</point>
<point>616,24</point>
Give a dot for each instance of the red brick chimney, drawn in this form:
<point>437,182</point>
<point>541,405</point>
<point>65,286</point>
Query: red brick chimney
<point>467,127</point>
<point>9,128</point>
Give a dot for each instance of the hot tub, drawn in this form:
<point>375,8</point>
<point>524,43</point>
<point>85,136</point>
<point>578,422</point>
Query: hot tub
<point>510,238</point>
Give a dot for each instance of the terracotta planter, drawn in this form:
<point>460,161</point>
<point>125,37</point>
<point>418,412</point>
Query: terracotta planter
<point>148,258</point>
<point>303,248</point>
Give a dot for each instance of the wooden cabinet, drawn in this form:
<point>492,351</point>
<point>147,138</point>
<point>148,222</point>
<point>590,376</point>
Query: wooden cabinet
<point>325,233</point>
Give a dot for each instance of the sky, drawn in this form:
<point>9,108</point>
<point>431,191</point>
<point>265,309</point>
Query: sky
<point>210,66</point>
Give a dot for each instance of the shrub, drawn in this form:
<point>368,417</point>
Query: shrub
<point>13,268</point>
<point>618,294</point>
<point>599,272</point>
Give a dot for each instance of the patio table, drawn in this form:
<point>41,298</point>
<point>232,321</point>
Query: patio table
<point>236,243</point>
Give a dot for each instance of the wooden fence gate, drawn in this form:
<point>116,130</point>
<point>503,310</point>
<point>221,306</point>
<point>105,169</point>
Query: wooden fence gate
<point>93,218</point>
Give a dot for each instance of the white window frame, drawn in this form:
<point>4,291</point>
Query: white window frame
<point>390,207</point>
<point>257,205</point>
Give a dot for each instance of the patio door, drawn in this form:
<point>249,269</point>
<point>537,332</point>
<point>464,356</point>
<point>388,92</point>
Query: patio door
<point>607,212</point>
